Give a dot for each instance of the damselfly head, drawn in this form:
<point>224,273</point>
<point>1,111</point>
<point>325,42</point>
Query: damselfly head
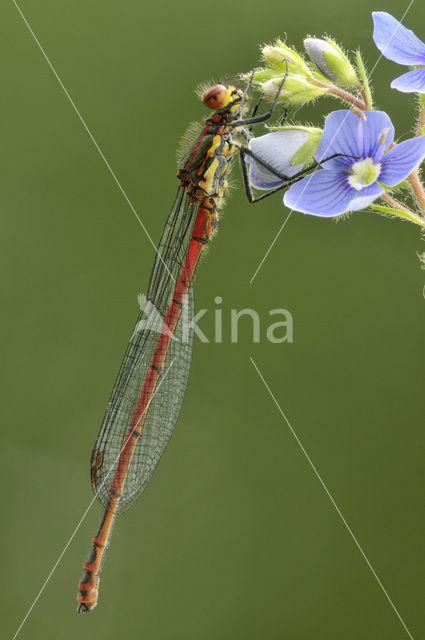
<point>220,97</point>
<point>216,97</point>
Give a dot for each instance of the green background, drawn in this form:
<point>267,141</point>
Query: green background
<point>234,537</point>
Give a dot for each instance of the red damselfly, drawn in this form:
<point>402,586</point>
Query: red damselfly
<point>150,386</point>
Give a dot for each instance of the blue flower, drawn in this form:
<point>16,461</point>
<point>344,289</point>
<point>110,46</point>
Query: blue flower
<point>354,179</point>
<point>402,46</point>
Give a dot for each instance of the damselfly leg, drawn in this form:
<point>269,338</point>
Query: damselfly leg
<point>244,151</point>
<point>264,116</point>
<point>287,181</point>
<point>247,132</point>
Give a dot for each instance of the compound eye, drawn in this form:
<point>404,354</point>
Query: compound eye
<point>216,97</point>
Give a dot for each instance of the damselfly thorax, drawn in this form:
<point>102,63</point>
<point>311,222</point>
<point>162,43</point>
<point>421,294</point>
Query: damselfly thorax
<point>203,171</point>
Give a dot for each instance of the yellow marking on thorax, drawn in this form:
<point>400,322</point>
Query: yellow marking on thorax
<point>209,176</point>
<point>214,146</point>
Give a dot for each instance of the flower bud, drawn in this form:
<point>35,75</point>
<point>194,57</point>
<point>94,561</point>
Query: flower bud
<point>331,61</point>
<point>296,89</point>
<point>262,75</point>
<point>279,55</point>
<point>287,149</point>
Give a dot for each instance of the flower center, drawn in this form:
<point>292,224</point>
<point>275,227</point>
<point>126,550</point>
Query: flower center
<point>363,173</point>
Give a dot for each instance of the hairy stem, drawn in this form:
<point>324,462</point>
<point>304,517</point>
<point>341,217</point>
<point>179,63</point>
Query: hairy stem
<point>418,190</point>
<point>413,217</point>
<point>366,97</point>
<point>421,122</point>
<point>395,203</point>
<point>340,93</point>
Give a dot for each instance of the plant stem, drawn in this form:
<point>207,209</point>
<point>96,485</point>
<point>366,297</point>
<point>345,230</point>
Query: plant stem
<point>340,93</point>
<point>365,97</point>
<point>396,204</point>
<point>418,189</point>
<point>421,122</point>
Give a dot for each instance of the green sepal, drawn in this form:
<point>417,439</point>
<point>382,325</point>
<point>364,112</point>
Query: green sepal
<point>399,213</point>
<point>262,75</point>
<point>340,65</point>
<point>319,76</point>
<point>306,152</point>
<point>364,79</point>
<point>278,56</point>
<point>401,185</point>
<point>295,58</point>
<point>297,127</point>
<point>339,69</point>
<point>296,90</point>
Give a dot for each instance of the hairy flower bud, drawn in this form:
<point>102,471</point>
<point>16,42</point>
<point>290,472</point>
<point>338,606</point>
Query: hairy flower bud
<point>279,55</point>
<point>262,75</point>
<point>296,90</point>
<point>331,61</point>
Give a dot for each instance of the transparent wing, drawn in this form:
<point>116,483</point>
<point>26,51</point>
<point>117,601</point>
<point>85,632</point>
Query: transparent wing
<point>168,396</point>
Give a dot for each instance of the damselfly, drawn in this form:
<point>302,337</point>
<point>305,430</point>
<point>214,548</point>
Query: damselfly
<point>150,386</point>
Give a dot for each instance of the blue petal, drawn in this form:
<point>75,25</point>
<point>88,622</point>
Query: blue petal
<point>338,137</point>
<point>400,161</point>
<point>323,193</point>
<point>365,197</point>
<point>346,133</point>
<point>276,149</point>
<point>376,123</point>
<point>410,82</point>
<point>395,41</point>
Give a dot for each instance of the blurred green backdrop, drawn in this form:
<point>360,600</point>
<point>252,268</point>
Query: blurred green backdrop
<point>234,537</point>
